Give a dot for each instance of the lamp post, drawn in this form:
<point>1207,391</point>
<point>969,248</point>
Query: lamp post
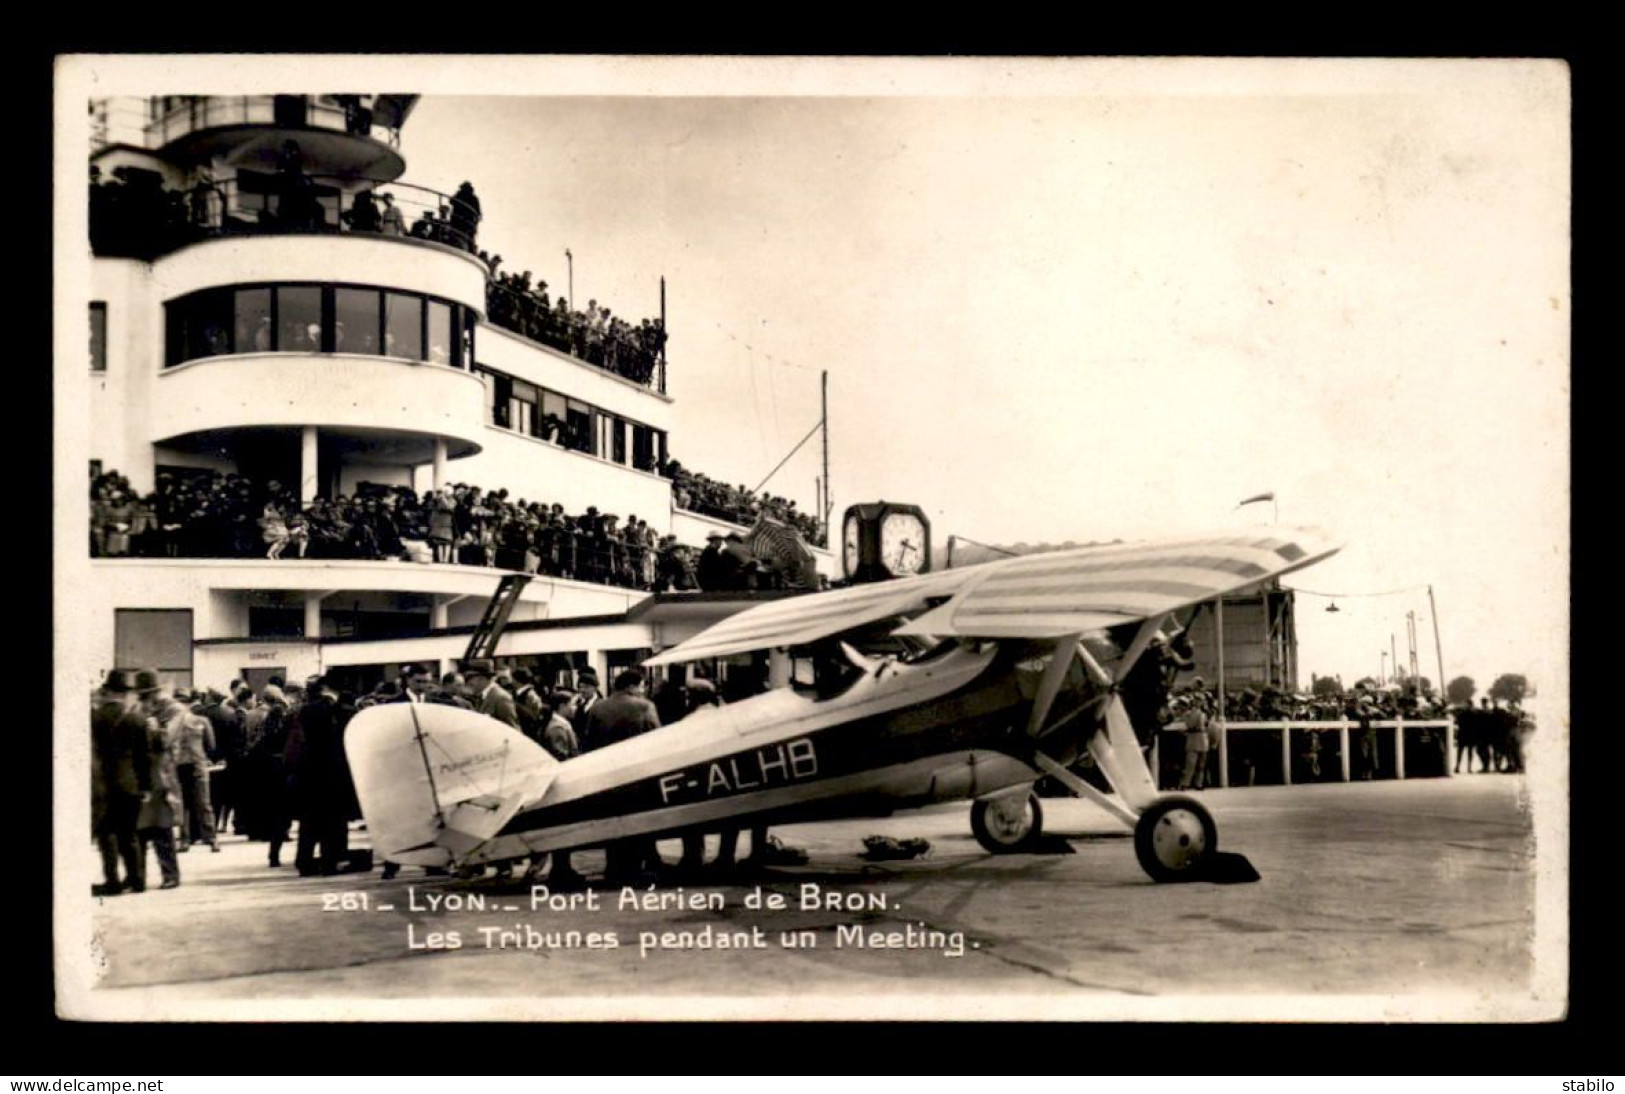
<point>570,266</point>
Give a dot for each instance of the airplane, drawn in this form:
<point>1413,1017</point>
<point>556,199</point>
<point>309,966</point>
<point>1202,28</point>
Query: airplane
<point>1003,672</point>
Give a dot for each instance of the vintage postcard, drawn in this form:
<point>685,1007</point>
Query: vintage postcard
<point>576,537</point>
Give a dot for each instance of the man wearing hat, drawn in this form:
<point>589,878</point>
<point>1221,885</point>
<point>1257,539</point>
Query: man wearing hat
<point>191,742</point>
<point>488,698</point>
<point>161,802</point>
<point>119,778</point>
<point>712,568</point>
<point>587,696</point>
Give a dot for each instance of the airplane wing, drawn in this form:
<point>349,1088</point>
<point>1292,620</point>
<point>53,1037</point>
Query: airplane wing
<point>802,619</point>
<point>1090,588</point>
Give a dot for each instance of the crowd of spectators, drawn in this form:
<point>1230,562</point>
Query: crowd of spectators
<point>218,515</point>
<point>174,769</point>
<point>596,335</point>
<point>132,213</point>
<point>697,493</point>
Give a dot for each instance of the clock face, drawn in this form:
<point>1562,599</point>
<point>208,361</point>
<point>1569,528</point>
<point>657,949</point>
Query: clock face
<point>902,543</point>
<point>849,548</point>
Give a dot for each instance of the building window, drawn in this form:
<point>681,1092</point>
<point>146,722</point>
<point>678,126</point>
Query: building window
<point>357,320</point>
<point>253,321</point>
<point>298,319</point>
<point>501,392</point>
<point>578,427</point>
<point>316,319</point>
<point>155,638</point>
<point>618,440</point>
<point>522,413</point>
<point>465,343</point>
<point>98,336</point>
<point>441,345</point>
<point>403,325</point>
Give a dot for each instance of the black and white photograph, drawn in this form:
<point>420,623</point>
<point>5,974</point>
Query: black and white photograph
<point>811,538</point>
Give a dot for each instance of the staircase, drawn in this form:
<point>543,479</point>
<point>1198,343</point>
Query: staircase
<point>483,643</point>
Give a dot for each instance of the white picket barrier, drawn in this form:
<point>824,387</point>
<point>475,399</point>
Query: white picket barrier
<point>1341,728</point>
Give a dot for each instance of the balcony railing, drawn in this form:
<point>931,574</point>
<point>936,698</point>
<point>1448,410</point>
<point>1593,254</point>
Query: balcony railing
<point>136,217</point>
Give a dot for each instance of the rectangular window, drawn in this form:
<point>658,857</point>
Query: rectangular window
<point>500,387</point>
<point>618,439</point>
<point>357,317</point>
<point>465,343</point>
<point>197,326</point>
<point>440,333</point>
<point>522,416</point>
<point>643,448</point>
<point>160,639</point>
<point>298,319</point>
<point>403,326</point>
<point>253,321</point>
<point>98,336</point>
<point>578,426</point>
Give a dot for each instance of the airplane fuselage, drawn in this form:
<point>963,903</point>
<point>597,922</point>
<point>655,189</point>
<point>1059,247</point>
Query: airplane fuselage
<point>906,736</point>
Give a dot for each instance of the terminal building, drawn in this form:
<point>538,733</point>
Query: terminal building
<point>314,346</point>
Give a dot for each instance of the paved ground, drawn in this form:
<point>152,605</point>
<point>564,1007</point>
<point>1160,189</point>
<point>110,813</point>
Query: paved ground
<point>1377,899</point>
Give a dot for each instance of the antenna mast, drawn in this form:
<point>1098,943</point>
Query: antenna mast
<point>824,395</point>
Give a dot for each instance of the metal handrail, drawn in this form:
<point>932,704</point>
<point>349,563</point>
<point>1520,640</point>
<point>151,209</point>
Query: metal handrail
<point>170,219</point>
<point>425,213</point>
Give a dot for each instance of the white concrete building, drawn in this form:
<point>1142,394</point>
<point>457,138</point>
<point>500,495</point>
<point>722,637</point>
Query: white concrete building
<point>249,315</point>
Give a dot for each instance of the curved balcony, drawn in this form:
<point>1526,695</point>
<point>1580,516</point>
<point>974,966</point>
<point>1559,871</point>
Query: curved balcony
<point>345,137</point>
<point>389,408</point>
<point>396,263</point>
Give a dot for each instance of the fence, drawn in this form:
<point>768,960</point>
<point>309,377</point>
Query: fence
<point>1299,751</point>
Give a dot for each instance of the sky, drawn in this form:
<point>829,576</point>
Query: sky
<point>1081,300</point>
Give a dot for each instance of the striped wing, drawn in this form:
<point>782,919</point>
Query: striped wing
<point>802,619</point>
<point>1035,596</point>
<point>1090,588</point>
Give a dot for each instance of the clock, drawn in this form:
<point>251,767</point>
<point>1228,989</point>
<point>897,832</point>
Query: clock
<point>883,540</point>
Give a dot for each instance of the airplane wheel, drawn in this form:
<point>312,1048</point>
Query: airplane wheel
<point>1175,839</point>
<point>1007,825</point>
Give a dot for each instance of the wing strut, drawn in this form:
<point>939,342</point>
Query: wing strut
<point>1050,686</point>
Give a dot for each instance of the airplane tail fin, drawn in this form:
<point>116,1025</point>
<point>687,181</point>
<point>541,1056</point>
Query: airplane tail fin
<point>436,783</point>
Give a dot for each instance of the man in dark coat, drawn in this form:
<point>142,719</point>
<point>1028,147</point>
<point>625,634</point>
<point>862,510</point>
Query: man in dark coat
<point>119,778</point>
<point>489,698</point>
<point>225,716</point>
<point>627,713</point>
<point>713,570</point>
<point>161,804</point>
<point>319,781</point>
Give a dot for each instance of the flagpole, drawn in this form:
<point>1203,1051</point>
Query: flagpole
<point>824,400</point>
